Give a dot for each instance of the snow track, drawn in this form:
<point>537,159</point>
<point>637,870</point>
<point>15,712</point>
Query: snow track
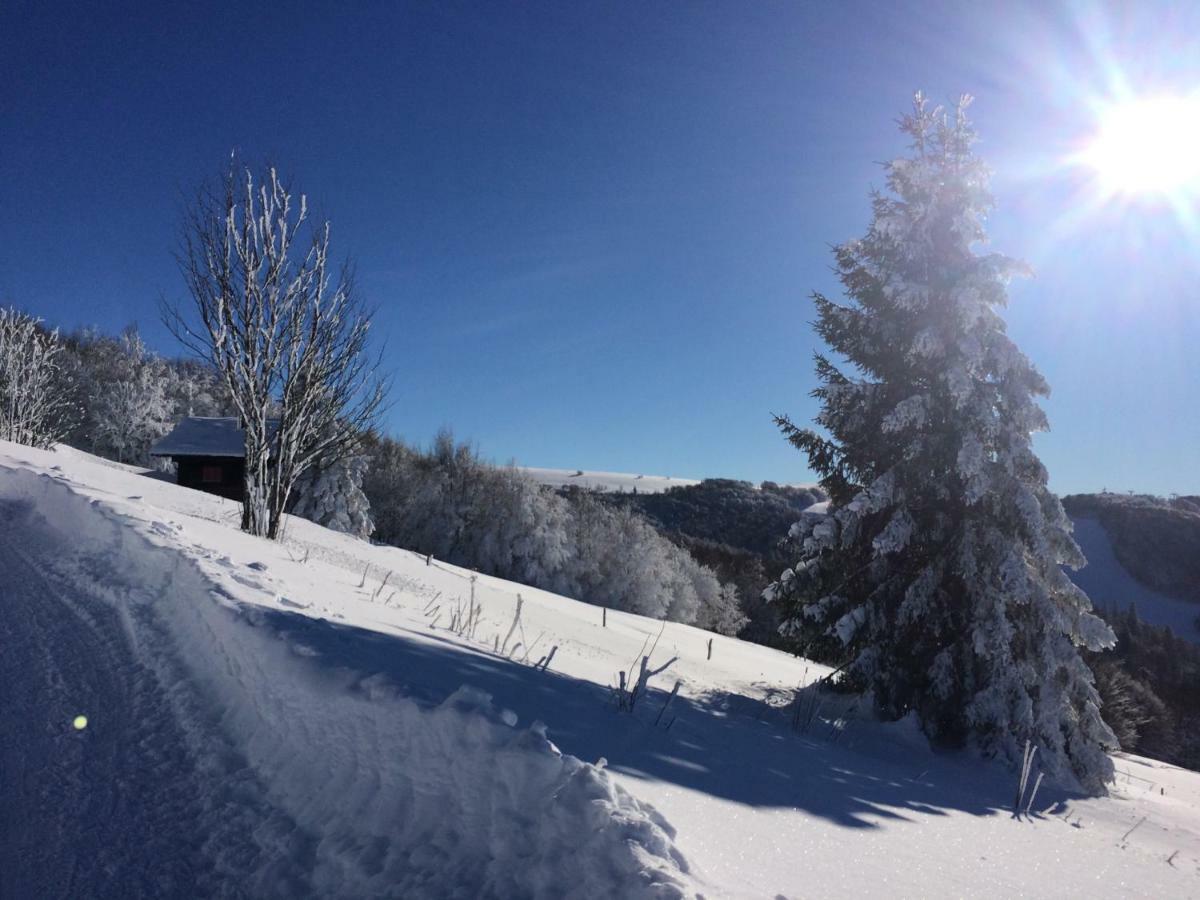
<point>137,804</point>
<point>222,760</point>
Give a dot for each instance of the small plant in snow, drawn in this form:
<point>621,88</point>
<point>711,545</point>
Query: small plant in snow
<point>667,702</point>
<point>382,585</point>
<point>626,694</point>
<point>807,707</point>
<point>1023,779</point>
<point>516,623</point>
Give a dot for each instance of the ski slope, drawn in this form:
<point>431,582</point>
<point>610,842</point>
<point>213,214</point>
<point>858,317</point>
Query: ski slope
<point>323,717</point>
<point>1110,585</point>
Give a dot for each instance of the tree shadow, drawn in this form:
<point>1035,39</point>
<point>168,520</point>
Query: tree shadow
<point>723,744</point>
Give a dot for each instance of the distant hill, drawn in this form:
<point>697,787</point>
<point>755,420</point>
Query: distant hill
<point>734,527</point>
<point>1155,540</point>
<point>736,513</point>
<point>620,482</point>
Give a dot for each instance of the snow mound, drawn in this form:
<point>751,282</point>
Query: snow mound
<point>394,798</point>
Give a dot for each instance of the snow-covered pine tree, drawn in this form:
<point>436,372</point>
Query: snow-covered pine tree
<point>937,577</point>
<point>332,496</point>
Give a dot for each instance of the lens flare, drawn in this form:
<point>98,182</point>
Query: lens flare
<point>1147,147</point>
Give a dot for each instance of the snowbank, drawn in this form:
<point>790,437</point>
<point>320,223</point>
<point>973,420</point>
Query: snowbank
<point>398,799</point>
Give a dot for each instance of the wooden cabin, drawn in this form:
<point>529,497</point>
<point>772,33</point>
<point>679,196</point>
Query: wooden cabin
<point>209,454</point>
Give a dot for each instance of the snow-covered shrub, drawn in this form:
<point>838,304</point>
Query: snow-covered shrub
<point>33,404</point>
<point>449,503</point>
<point>332,496</point>
<point>722,613</point>
<point>938,578</point>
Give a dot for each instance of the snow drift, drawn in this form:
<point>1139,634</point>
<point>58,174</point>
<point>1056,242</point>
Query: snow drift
<point>389,797</point>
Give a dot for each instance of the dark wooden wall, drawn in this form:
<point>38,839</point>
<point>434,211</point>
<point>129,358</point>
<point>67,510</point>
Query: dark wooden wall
<point>192,470</point>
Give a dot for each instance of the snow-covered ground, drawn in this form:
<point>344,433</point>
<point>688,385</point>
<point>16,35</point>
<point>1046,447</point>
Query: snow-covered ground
<point>1110,585</point>
<point>619,482</point>
<point>316,717</point>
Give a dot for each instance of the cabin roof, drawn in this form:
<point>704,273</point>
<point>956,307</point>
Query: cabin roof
<point>204,436</point>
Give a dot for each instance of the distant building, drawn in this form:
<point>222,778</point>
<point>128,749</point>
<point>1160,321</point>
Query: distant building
<point>209,454</point>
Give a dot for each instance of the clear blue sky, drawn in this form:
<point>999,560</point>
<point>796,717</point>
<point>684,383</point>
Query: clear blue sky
<point>592,228</point>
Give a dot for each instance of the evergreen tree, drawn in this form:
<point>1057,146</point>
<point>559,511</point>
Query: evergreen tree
<point>332,495</point>
<point>936,578</point>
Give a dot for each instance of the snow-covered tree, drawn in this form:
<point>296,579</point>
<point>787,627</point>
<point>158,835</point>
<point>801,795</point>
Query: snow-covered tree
<point>285,329</point>
<point>450,503</point>
<point>133,409</point>
<point>124,396</point>
<point>937,578</point>
<point>33,404</point>
<point>332,496</point>
<point>722,612</point>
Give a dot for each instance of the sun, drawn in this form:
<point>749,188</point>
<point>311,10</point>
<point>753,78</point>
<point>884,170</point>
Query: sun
<point>1147,147</point>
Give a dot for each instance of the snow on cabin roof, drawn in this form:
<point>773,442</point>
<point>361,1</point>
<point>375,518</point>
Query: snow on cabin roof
<point>203,436</point>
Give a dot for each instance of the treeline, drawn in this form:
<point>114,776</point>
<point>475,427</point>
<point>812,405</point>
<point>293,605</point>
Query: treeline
<point>726,511</point>
<point>1150,685</point>
<point>732,527</point>
<point>1156,539</point>
<point>121,397</point>
<point>448,502</point>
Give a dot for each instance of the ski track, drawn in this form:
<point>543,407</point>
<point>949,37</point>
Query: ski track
<point>149,800</point>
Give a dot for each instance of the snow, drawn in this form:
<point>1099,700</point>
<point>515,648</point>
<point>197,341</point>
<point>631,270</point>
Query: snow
<point>621,482</point>
<point>203,436</point>
<point>1110,585</point>
<point>261,723</point>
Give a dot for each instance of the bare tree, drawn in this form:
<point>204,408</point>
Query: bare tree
<point>34,410</point>
<point>286,332</point>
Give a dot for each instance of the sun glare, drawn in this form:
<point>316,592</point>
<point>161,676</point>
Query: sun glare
<point>1149,146</point>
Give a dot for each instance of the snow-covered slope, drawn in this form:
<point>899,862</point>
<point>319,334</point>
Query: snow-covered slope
<point>1111,586</point>
<point>621,482</point>
<point>309,718</point>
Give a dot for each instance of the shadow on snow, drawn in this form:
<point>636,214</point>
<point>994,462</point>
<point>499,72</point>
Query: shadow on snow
<point>726,745</point>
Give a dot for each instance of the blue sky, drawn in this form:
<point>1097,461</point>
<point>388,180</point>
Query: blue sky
<point>592,229</point>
